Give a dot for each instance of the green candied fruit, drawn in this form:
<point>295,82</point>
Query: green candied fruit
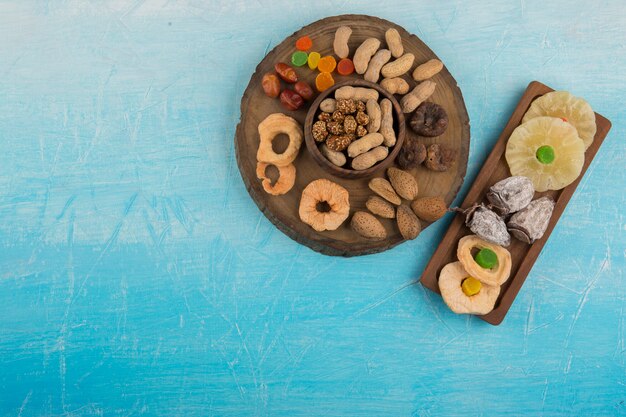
<point>486,258</point>
<point>299,58</point>
<point>471,286</point>
<point>545,154</point>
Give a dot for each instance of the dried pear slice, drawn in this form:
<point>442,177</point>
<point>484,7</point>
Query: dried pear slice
<point>548,151</point>
<point>450,284</point>
<point>562,104</point>
<point>489,276</point>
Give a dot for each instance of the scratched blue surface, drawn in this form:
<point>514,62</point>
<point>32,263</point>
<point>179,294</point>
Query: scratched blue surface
<point>137,277</point>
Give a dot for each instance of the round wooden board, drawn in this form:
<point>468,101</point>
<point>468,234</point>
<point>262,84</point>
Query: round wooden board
<point>283,210</point>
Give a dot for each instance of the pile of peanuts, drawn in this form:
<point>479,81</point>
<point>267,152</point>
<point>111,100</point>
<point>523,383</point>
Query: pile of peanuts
<point>372,63</point>
<point>354,124</point>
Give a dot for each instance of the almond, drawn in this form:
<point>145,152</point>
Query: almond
<point>408,223</point>
<point>380,207</point>
<point>368,226</point>
<point>403,182</point>
<point>383,188</point>
<point>429,208</point>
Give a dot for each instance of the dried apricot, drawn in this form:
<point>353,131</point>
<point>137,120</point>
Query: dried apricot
<point>327,64</point>
<point>323,81</point>
<point>304,43</point>
<point>345,67</point>
<point>299,58</point>
<point>314,58</point>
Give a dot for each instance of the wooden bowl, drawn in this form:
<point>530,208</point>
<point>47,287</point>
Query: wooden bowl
<point>398,126</point>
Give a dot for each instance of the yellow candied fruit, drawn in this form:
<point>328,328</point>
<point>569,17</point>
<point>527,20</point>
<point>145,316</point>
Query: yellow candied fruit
<point>471,286</point>
<point>314,58</point>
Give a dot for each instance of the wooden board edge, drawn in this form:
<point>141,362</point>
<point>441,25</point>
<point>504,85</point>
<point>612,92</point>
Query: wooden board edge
<point>318,246</point>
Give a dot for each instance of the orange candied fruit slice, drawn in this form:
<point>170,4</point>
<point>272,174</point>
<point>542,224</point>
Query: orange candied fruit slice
<point>323,81</point>
<point>304,43</point>
<point>327,64</point>
<point>345,66</point>
<point>314,59</point>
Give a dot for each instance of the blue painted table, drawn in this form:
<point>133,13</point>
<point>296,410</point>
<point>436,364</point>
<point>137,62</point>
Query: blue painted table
<point>137,276</point>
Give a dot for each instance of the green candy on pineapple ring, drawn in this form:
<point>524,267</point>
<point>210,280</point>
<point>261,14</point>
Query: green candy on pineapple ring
<point>545,154</point>
<point>486,258</point>
<point>299,58</point>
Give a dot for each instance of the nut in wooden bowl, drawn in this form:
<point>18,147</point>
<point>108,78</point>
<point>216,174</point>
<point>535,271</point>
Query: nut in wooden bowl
<point>323,130</point>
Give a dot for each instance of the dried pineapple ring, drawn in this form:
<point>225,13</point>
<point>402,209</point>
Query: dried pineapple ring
<point>284,183</point>
<point>494,276</point>
<point>319,192</point>
<point>562,104</point>
<point>272,126</point>
<point>569,153</point>
<point>450,281</point>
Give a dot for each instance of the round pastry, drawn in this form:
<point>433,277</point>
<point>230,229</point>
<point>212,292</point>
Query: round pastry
<point>324,205</point>
<point>480,265</point>
<point>284,183</point>
<point>272,126</point>
<point>463,293</point>
<point>429,119</point>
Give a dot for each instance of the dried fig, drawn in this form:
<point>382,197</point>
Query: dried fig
<point>429,119</point>
<point>439,158</point>
<point>411,154</point>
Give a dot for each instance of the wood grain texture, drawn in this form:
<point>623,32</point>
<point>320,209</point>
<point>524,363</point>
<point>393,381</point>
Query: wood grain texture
<point>523,256</point>
<point>137,277</point>
<point>283,210</point>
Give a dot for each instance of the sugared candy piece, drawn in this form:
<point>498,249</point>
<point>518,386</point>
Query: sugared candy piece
<point>314,58</point>
<point>545,154</point>
<point>471,286</point>
<point>323,81</point>
<point>299,58</point>
<point>486,258</point>
<point>304,43</point>
<point>345,66</point>
<point>327,64</point>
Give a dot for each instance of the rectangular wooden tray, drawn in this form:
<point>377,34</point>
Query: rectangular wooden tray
<point>523,256</point>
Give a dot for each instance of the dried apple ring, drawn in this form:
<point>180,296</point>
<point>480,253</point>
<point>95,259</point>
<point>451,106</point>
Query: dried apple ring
<point>272,126</point>
<point>284,183</point>
<point>477,299</point>
<point>498,274</point>
<point>324,205</point>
